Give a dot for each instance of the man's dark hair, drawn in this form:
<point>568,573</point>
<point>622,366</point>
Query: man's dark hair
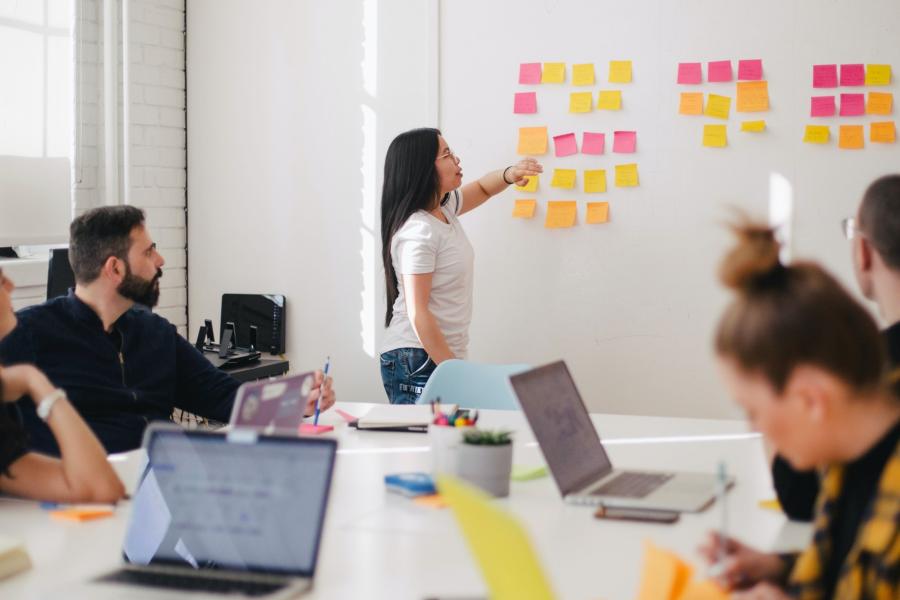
<point>879,218</point>
<point>98,234</point>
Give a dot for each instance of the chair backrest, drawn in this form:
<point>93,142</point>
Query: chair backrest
<point>473,385</point>
<point>59,273</point>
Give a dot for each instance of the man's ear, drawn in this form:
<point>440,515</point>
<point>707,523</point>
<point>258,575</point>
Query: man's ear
<point>864,254</point>
<point>113,269</point>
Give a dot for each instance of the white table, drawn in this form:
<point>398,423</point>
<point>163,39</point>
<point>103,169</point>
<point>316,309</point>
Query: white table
<point>379,545</point>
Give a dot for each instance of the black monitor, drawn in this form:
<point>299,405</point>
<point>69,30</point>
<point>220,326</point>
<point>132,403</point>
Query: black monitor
<point>59,273</point>
<point>266,312</point>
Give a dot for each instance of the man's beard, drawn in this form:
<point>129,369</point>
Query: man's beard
<point>140,290</point>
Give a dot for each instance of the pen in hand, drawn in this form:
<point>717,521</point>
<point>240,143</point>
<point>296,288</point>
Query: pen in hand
<point>322,389</point>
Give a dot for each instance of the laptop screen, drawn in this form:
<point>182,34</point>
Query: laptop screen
<point>562,426</point>
<point>243,502</point>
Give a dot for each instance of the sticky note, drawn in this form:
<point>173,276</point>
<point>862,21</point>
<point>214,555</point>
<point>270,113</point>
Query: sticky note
<point>595,181</point>
<point>705,589</point>
<point>853,105</point>
<point>565,144</point>
<point>525,103</point>
<point>563,178</point>
<point>581,102</point>
<point>620,71</point>
<point>880,103</point>
<point>750,69</point>
<point>597,212</point>
<point>528,472</point>
<point>770,504</point>
<point>878,74</point>
<point>524,209</point>
<point>561,213</point>
<point>624,142</point>
<point>553,73</point>
<point>663,574</point>
<point>816,134</point>
<point>821,106</point>
<point>627,175</point>
<point>529,73</point>
<point>719,71</point>
<point>753,126</point>
<point>752,96</point>
<point>883,132</point>
<point>851,137</point>
<point>825,76</point>
<point>715,136</point>
<point>81,514</point>
<point>690,73</point>
<point>717,106</point>
<point>609,100</point>
<point>854,74</point>
<point>583,74</point>
<point>531,186</point>
<point>532,140</point>
<point>431,501</point>
<point>691,103</point>
<point>593,143</point>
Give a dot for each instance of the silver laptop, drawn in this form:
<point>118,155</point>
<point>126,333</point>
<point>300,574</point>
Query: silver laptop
<point>578,461</point>
<point>216,514</point>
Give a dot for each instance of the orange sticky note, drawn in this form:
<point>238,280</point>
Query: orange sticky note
<point>609,100</point>
<point>752,96</point>
<point>664,574</point>
<point>532,140</point>
<point>597,212</point>
<point>884,132</point>
<point>718,106</point>
<point>531,186</point>
<point>627,175</point>
<point>851,137</point>
<point>431,501</point>
<point>553,73</point>
<point>691,103</point>
<point>561,214</point>
<point>595,181</point>
<point>81,514</point>
<point>816,134</point>
<point>524,209</point>
<point>703,590</point>
<point>880,103</point>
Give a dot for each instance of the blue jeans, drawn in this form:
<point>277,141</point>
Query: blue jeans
<point>404,372</point>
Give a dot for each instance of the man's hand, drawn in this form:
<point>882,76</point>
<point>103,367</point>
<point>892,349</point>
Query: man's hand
<point>328,397</point>
<point>742,566</point>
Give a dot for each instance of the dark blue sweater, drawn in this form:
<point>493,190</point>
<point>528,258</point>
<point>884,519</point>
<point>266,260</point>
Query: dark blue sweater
<point>119,381</point>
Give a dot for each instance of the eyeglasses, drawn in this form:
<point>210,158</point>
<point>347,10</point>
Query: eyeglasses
<point>448,154</point>
<point>848,226</point>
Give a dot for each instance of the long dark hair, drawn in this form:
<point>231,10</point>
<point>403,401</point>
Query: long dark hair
<point>411,183</point>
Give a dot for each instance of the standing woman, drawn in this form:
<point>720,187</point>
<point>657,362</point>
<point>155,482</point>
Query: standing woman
<point>428,260</point>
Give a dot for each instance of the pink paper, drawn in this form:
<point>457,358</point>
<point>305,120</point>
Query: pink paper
<point>824,76</point>
<point>530,73</point>
<point>853,75</point>
<point>718,71</point>
<point>750,70</point>
<point>526,103</point>
<point>565,144</point>
<point>624,141</point>
<point>593,143</point>
<point>853,105</point>
<point>822,106</point>
<point>690,73</point>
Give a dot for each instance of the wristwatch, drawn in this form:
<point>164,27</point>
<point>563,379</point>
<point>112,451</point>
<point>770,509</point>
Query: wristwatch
<point>46,405</point>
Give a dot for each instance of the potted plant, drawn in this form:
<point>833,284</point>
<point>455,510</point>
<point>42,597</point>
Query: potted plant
<point>485,460</point>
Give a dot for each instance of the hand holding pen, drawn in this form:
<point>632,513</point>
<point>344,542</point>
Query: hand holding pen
<point>322,396</point>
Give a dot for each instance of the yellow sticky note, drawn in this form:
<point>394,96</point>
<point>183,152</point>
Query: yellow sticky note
<point>703,590</point>
<point>531,186</point>
<point>501,546</point>
<point>597,212</point>
<point>532,140</point>
<point>880,103</point>
<point>816,134</point>
<point>620,71</point>
<point>715,136</point>
<point>718,106</point>
<point>850,137</point>
<point>664,575</point>
<point>561,213</point>
<point>609,100</point>
<point>553,73</point>
<point>878,74</point>
<point>524,209</point>
<point>627,175</point>
<point>752,96</point>
<point>595,181</point>
<point>563,178</point>
<point>753,126</point>
<point>581,102</point>
<point>583,74</point>
<point>691,103</point>
<point>883,132</point>
<point>770,504</point>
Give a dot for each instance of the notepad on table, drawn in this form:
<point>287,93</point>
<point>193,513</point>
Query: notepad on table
<point>406,417</point>
<point>13,557</point>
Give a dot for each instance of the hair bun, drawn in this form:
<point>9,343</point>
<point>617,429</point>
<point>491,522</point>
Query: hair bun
<point>754,259</point>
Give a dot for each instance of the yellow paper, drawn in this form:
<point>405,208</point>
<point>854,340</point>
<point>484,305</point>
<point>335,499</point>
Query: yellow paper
<point>609,100</point>
<point>703,590</point>
<point>532,140</point>
<point>718,106</point>
<point>816,134</point>
<point>851,137</point>
<point>752,96</point>
<point>880,103</point>
<point>627,175</point>
<point>501,546</point>
<point>597,212</point>
<point>524,209</point>
<point>753,126</point>
<point>620,71</point>
<point>553,73</point>
<point>581,102</point>
<point>531,186</point>
<point>561,213</point>
<point>563,178</point>
<point>883,132</point>
<point>664,575</point>
<point>595,181</point>
<point>715,136</point>
<point>878,74</point>
<point>691,103</point>
<point>583,74</point>
<point>770,504</point>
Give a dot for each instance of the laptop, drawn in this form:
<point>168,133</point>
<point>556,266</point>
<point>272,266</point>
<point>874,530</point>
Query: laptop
<point>579,463</point>
<point>237,513</point>
<point>274,404</point>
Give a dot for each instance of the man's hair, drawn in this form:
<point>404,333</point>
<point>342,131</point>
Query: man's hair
<point>98,234</point>
<point>879,218</point>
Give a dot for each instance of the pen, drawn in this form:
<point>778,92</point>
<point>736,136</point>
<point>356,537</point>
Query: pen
<point>322,388</point>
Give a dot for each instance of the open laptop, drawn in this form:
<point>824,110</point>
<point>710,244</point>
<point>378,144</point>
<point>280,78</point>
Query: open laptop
<point>578,461</point>
<point>223,514</point>
<point>273,404</point>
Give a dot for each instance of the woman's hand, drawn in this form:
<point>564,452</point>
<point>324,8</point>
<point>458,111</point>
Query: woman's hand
<point>19,380</point>
<point>522,169</point>
<point>325,390</point>
<point>742,566</point>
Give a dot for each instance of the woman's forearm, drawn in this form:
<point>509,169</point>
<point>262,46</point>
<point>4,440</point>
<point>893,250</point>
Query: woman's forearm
<point>430,335</point>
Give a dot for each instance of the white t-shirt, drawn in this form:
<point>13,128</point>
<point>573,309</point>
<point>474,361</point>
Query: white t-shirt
<point>425,244</point>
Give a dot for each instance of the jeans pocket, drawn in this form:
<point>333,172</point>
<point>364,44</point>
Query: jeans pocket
<point>419,363</point>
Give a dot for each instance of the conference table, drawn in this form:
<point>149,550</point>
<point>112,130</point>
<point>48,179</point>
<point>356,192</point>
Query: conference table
<point>381,545</point>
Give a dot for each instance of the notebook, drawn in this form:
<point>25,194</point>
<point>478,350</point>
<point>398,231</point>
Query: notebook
<point>400,417</point>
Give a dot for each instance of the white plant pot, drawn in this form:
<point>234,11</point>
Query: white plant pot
<point>445,444</point>
<point>487,467</point>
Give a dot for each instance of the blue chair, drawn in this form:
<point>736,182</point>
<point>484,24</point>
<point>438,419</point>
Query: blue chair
<point>472,385</point>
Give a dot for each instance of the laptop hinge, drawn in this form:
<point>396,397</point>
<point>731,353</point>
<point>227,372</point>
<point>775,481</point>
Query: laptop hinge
<point>215,574</point>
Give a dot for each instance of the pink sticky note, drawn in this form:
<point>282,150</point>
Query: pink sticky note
<point>530,73</point>
<point>750,69</point>
<point>822,106</point>
<point>347,417</point>
<point>853,75</point>
<point>624,141</point>
<point>690,73</point>
<point>526,103</point>
<point>824,76</point>
<point>310,429</point>
<point>593,143</point>
<point>565,144</point>
<point>718,70</point>
<point>853,105</point>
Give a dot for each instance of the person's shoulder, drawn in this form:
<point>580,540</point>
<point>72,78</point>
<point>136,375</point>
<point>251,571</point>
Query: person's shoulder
<point>418,227</point>
<point>147,318</point>
<point>51,309</point>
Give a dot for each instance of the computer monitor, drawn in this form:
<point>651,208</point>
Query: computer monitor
<point>266,312</point>
<point>59,273</point>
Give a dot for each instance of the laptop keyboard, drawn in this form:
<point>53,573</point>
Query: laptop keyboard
<point>629,484</point>
<point>191,583</point>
